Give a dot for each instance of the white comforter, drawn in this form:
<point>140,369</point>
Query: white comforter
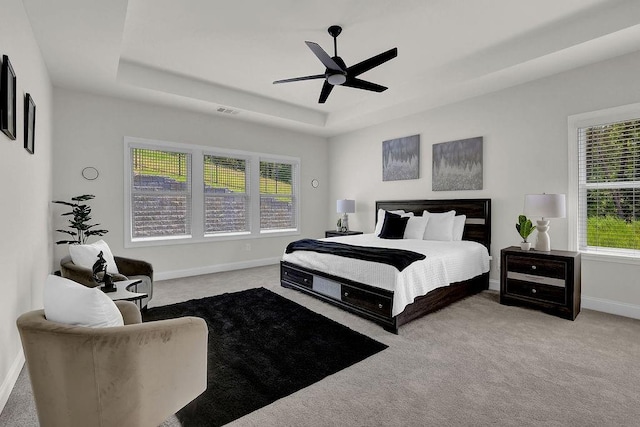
<point>445,263</point>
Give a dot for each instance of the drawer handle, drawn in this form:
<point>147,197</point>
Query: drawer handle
<point>533,267</point>
<point>286,273</point>
<point>346,294</point>
<point>305,280</point>
<point>379,305</point>
<point>533,291</point>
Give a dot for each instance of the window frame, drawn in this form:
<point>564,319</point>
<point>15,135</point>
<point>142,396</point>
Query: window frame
<point>576,229</point>
<point>197,193</point>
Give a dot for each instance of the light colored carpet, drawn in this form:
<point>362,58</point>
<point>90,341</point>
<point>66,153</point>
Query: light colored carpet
<point>475,363</point>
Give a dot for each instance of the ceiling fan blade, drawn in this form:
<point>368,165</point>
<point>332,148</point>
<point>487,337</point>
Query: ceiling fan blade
<point>374,61</point>
<point>363,84</point>
<point>326,90</point>
<point>297,79</point>
<point>323,56</point>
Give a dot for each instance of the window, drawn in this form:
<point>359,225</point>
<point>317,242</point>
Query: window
<point>160,193</point>
<point>242,194</point>
<point>226,196</point>
<point>608,185</point>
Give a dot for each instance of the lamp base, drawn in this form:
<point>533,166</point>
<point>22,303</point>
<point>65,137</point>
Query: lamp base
<point>543,243</point>
<point>345,222</point>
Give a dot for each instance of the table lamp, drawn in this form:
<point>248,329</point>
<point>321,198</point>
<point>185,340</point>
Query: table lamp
<point>544,206</point>
<point>345,207</point>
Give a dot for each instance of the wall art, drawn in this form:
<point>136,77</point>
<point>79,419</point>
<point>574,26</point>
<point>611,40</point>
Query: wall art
<point>401,158</point>
<point>29,123</point>
<point>457,165</point>
<point>8,98</point>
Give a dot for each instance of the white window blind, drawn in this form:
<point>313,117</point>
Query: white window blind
<point>609,188</point>
<point>226,194</point>
<point>160,193</point>
<point>278,196</point>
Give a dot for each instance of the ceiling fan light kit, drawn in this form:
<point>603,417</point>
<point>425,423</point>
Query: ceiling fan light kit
<point>337,73</point>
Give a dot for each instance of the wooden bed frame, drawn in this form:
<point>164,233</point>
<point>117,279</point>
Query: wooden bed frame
<point>374,303</point>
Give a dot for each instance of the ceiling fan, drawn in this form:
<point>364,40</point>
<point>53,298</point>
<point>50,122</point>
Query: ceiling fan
<point>337,73</point>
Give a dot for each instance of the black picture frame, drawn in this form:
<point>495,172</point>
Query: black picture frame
<point>8,98</point>
<point>29,123</point>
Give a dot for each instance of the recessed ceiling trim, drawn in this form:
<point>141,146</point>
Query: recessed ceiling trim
<point>151,78</point>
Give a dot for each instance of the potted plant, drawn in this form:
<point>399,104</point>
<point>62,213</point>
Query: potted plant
<point>525,227</point>
<point>81,216</point>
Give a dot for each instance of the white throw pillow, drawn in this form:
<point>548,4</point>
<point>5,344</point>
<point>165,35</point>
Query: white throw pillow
<point>380,221</point>
<point>415,227</point>
<point>87,255</point>
<point>439,226</point>
<point>458,226</point>
<point>71,303</point>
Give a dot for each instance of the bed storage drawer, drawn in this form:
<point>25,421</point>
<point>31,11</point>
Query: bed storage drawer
<point>369,301</point>
<point>296,276</point>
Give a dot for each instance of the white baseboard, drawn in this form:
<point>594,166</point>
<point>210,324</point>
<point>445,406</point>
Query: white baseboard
<point>494,284</point>
<point>11,378</point>
<point>176,274</point>
<point>611,307</point>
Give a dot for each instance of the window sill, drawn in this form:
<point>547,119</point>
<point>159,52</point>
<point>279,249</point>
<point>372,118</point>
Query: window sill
<point>186,240</point>
<point>610,257</point>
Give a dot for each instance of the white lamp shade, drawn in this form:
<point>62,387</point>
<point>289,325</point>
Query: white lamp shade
<point>545,205</point>
<point>346,206</point>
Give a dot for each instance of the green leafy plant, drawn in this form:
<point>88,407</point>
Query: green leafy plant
<point>81,215</point>
<point>525,227</point>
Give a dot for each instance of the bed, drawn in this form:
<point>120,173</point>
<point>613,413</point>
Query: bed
<point>388,304</point>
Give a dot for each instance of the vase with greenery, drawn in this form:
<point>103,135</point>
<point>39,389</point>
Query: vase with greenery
<point>80,215</point>
<point>525,227</point>
<point>339,225</point>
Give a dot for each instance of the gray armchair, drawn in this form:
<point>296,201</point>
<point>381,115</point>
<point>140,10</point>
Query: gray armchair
<point>130,269</point>
<point>138,374</point>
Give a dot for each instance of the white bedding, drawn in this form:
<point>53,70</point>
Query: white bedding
<point>446,263</point>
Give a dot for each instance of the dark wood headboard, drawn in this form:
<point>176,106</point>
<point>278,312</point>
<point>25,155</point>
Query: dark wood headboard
<point>478,211</point>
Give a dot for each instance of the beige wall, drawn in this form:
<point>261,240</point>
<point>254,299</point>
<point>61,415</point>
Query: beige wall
<point>525,151</point>
<point>89,132</point>
<point>25,192</point>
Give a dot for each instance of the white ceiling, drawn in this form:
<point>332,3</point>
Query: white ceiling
<point>206,54</point>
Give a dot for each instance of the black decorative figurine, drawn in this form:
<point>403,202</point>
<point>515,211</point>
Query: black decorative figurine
<point>100,266</point>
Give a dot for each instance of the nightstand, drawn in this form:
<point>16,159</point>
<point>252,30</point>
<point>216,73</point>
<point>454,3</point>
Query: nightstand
<point>334,233</point>
<point>548,281</point>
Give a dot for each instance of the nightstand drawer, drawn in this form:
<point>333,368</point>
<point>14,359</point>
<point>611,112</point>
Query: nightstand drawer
<point>537,267</point>
<point>536,291</point>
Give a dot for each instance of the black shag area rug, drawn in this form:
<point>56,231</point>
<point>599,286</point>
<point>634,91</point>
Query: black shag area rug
<point>262,347</point>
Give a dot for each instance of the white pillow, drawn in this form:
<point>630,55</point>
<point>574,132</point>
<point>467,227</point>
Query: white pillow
<point>87,255</point>
<point>415,227</point>
<point>439,226</point>
<point>380,221</point>
<point>458,227</point>
<point>69,302</point>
